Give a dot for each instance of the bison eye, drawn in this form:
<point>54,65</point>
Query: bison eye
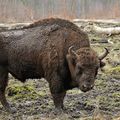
<point>79,67</point>
<point>79,70</point>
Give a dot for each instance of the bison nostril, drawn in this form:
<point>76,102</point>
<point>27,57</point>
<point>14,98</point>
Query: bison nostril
<point>84,86</point>
<point>87,87</point>
<point>91,86</point>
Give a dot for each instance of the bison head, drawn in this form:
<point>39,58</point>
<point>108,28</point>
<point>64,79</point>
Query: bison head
<point>83,65</point>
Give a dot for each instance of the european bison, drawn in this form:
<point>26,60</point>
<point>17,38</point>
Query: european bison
<point>55,49</point>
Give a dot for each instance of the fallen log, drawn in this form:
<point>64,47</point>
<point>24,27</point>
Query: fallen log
<point>112,21</point>
<point>109,31</point>
<point>4,27</point>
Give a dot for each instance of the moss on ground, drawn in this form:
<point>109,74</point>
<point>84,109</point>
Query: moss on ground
<point>114,70</point>
<point>23,91</point>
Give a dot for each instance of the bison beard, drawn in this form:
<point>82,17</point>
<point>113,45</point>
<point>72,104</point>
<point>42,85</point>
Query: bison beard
<point>43,49</point>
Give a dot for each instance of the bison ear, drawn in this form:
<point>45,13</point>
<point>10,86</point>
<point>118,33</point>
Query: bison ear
<point>102,64</point>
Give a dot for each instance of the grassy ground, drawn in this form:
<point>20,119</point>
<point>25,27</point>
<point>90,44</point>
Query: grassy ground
<point>33,101</point>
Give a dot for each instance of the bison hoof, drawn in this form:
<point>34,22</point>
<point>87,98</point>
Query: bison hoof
<point>57,111</point>
<point>10,110</point>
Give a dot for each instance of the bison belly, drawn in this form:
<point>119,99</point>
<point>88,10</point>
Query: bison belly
<point>22,64</point>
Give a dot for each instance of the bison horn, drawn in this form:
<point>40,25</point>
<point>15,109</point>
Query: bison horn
<point>104,54</point>
<point>71,52</point>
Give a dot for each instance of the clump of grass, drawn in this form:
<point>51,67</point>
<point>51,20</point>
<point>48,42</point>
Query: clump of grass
<point>115,70</point>
<point>20,91</point>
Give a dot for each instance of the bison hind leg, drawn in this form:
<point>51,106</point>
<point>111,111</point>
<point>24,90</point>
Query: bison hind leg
<point>3,85</point>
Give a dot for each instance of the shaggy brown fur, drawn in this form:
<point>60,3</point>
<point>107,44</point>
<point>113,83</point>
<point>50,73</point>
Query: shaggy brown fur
<point>40,50</point>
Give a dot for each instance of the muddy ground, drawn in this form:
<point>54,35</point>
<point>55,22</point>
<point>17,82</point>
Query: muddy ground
<point>33,100</point>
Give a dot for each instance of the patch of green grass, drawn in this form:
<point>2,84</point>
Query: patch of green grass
<point>74,91</point>
<point>109,102</point>
<point>116,99</point>
<point>27,91</point>
<point>114,70</point>
<point>101,84</point>
<point>116,95</point>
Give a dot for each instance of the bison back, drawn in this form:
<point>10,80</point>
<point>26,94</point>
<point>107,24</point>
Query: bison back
<point>43,48</point>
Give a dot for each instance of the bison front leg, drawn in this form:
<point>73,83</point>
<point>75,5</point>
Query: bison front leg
<point>58,99</point>
<point>3,84</point>
<point>58,92</point>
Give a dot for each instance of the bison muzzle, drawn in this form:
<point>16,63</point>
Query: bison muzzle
<point>55,49</point>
